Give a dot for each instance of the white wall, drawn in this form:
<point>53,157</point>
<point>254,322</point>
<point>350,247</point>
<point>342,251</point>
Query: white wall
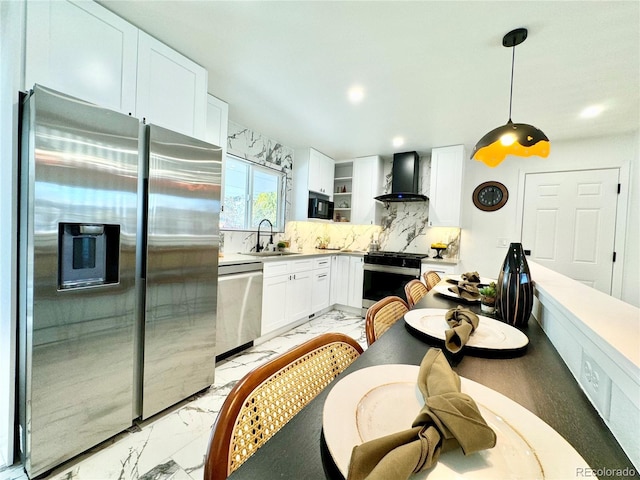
<point>11,21</point>
<point>480,230</point>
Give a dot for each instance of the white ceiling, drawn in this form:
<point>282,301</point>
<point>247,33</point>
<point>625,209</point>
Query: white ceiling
<point>434,72</point>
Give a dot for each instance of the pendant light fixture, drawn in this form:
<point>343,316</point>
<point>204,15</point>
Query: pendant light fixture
<point>518,139</point>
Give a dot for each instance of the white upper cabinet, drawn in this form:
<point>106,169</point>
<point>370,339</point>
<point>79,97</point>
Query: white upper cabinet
<point>445,196</point>
<point>367,184</point>
<point>218,128</point>
<point>172,90</point>
<point>312,172</point>
<point>320,173</point>
<point>82,49</point>
<point>217,122</point>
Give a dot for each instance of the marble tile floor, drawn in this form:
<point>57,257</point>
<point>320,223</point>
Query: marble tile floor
<point>172,445</point>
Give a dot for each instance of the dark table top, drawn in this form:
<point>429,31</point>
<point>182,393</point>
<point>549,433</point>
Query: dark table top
<point>538,380</point>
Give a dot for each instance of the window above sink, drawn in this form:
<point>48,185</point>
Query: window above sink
<point>251,192</point>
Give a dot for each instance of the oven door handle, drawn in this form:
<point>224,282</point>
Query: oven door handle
<point>389,269</point>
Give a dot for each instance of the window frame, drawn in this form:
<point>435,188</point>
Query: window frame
<point>249,185</point>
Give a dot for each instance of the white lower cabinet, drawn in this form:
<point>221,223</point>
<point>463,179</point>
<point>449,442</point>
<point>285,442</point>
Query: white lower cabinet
<point>295,289</point>
<point>321,288</point>
<point>339,280</point>
<point>347,275</point>
<point>274,293</point>
<point>356,279</point>
<point>298,301</point>
<point>286,293</point>
<point>439,268</point>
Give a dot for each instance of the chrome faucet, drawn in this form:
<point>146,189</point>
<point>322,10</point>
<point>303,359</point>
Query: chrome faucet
<point>258,247</point>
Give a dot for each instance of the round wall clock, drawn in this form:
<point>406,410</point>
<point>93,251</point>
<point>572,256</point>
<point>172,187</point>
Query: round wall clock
<point>490,196</point>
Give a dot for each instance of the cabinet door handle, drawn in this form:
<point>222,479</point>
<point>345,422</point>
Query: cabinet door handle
<point>322,276</point>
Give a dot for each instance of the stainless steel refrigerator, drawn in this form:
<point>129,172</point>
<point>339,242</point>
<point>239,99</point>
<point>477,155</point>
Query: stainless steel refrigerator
<point>117,276</point>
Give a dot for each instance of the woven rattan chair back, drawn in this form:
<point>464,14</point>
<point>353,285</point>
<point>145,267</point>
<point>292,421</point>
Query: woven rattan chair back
<point>266,398</point>
<point>431,278</point>
<point>382,314</point>
<point>415,290</point>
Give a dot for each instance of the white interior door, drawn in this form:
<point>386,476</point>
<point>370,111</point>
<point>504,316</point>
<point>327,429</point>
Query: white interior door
<point>569,222</point>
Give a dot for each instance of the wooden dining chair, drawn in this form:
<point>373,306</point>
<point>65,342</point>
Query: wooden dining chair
<point>415,290</point>
<point>382,314</point>
<point>270,395</point>
<point>431,278</point>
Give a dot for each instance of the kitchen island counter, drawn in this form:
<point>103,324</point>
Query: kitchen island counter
<point>538,380</point>
<point>597,336</point>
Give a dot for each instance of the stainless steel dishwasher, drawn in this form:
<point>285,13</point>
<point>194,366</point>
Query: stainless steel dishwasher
<point>239,306</point>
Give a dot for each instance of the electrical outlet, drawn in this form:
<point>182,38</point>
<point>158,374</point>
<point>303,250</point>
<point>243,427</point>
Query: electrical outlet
<point>502,243</point>
<point>596,384</point>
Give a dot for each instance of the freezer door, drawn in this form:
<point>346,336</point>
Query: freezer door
<point>183,209</point>
<point>77,234</point>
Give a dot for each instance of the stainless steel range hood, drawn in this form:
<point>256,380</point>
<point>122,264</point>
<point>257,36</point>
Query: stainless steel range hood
<point>404,181</point>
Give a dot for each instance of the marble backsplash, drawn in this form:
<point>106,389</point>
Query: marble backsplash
<point>405,232</point>
<point>250,145</point>
<point>308,235</point>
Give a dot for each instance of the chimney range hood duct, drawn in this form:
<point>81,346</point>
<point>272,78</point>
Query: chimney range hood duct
<point>404,180</point>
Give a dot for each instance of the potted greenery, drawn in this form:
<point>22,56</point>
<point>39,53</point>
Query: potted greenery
<point>488,298</point>
<point>282,246</point>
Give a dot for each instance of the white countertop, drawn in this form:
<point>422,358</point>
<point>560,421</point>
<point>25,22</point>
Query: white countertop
<point>237,258</point>
<point>442,261</point>
<point>599,316</point>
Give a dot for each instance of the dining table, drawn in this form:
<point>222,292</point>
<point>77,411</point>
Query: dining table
<point>535,378</point>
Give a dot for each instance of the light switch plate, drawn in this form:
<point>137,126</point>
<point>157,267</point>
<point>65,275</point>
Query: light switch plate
<point>596,384</point>
<point>502,243</point>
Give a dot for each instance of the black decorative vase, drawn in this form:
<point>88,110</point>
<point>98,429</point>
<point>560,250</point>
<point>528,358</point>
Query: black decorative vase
<point>514,298</point>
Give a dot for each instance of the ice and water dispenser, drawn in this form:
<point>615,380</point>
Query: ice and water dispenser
<point>88,254</point>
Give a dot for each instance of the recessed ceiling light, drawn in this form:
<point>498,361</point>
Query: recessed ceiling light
<point>398,141</point>
<point>356,94</point>
<point>592,111</point>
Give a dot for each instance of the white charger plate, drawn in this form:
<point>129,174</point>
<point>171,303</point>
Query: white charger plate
<point>491,334</point>
<point>443,289</point>
<point>457,278</point>
<point>375,401</point>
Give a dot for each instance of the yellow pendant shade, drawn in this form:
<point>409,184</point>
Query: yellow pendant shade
<point>526,141</point>
<point>518,139</point>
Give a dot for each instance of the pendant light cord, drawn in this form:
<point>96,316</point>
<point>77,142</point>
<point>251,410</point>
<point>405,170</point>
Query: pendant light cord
<point>513,60</point>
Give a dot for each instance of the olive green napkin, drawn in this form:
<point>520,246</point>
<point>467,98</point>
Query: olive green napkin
<point>449,419</point>
<point>471,277</point>
<point>463,323</point>
<point>466,291</point>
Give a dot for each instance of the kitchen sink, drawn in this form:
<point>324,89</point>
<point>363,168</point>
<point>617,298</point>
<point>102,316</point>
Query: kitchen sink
<point>271,254</point>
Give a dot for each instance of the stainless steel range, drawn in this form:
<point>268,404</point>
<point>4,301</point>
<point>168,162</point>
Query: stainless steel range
<point>386,273</point>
